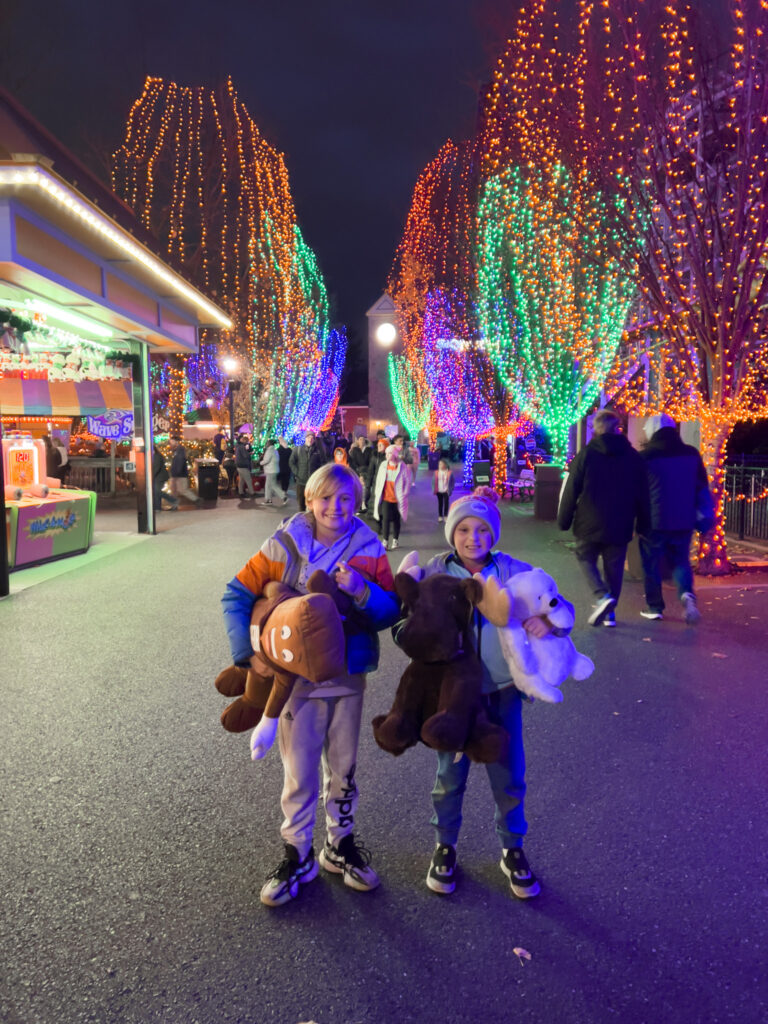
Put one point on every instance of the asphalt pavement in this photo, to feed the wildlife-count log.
(136, 833)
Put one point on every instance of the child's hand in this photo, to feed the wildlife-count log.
(262, 737)
(537, 626)
(350, 581)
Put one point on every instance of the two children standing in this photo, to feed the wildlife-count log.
(320, 725)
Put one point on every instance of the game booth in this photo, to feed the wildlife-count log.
(43, 520)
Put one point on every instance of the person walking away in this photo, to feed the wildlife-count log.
(305, 459)
(52, 459)
(179, 483)
(605, 495)
(284, 465)
(442, 485)
(679, 488)
(244, 463)
(359, 461)
(160, 476)
(320, 725)
(218, 444)
(472, 529)
(229, 467)
(65, 466)
(269, 466)
(390, 500)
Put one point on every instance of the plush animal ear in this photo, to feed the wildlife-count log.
(410, 564)
(473, 590)
(407, 589)
(494, 603)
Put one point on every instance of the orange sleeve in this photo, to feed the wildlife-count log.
(258, 571)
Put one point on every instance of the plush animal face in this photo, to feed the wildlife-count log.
(439, 615)
(304, 636)
(524, 595)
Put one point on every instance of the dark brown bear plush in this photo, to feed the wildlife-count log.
(438, 699)
(294, 635)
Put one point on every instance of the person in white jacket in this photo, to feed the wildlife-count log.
(390, 504)
(270, 464)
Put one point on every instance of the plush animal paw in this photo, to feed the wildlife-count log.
(263, 737)
(410, 564)
(231, 682)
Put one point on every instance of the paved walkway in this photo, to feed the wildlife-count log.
(136, 833)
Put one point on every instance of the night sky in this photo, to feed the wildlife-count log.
(359, 96)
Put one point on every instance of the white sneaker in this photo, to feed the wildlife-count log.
(605, 604)
(394, 544)
(352, 860)
(692, 613)
(385, 544)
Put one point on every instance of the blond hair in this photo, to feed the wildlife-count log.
(329, 478)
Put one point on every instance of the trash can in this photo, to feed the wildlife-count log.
(207, 479)
(546, 491)
(481, 473)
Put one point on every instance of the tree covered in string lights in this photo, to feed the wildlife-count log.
(470, 398)
(203, 179)
(434, 252)
(551, 315)
(681, 137)
(410, 393)
(553, 296)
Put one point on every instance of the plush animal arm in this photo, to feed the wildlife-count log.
(496, 606)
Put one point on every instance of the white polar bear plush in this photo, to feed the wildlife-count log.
(538, 665)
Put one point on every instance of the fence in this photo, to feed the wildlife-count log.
(92, 475)
(746, 502)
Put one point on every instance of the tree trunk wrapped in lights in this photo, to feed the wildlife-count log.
(412, 399)
(693, 195)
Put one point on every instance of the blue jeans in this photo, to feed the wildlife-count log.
(675, 546)
(507, 779)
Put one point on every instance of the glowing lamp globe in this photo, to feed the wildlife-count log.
(386, 333)
(229, 365)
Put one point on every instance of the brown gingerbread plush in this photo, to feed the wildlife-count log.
(438, 699)
(294, 635)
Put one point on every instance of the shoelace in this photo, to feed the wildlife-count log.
(354, 852)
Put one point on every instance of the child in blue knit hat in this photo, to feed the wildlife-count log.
(472, 529)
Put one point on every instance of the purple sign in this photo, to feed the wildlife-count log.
(113, 424)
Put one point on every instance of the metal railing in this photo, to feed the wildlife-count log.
(746, 502)
(92, 474)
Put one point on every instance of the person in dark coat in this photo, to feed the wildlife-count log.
(305, 459)
(605, 495)
(676, 478)
(359, 460)
(284, 464)
(160, 475)
(180, 472)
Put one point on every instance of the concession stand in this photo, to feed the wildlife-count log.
(85, 298)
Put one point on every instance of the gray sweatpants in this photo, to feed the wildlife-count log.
(314, 731)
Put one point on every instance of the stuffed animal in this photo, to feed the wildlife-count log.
(294, 635)
(438, 698)
(538, 664)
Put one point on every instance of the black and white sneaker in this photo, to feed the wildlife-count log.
(441, 876)
(352, 860)
(652, 613)
(522, 880)
(605, 604)
(283, 884)
(610, 619)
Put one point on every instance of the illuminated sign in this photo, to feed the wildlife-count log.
(113, 425)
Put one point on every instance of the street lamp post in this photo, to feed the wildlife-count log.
(231, 367)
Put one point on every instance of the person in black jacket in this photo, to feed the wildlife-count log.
(605, 494)
(359, 460)
(305, 459)
(160, 475)
(676, 478)
(180, 473)
(244, 465)
(284, 464)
